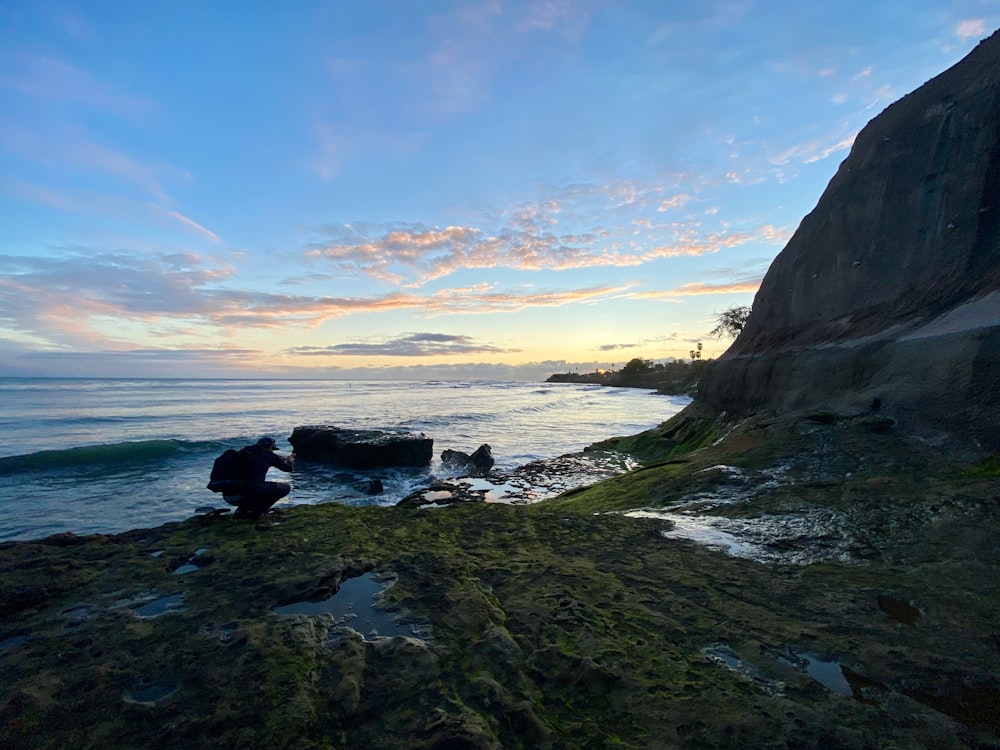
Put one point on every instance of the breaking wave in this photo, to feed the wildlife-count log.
(113, 454)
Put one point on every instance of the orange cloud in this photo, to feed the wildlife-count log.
(699, 288)
(424, 255)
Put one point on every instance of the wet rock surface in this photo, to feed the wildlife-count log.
(360, 449)
(529, 483)
(477, 463)
(563, 624)
(822, 575)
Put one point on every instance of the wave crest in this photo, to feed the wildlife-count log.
(106, 454)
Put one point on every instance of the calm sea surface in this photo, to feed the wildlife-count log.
(110, 455)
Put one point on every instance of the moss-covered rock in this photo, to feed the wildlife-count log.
(564, 624)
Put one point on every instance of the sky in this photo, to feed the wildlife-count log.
(404, 189)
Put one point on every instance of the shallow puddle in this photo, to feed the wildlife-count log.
(434, 495)
(726, 656)
(9, 644)
(151, 695)
(192, 563)
(80, 612)
(494, 492)
(787, 539)
(354, 605)
(707, 535)
(703, 531)
(829, 674)
(161, 606)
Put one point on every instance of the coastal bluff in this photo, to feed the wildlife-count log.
(787, 563)
(887, 298)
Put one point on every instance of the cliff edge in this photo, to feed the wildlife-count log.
(887, 297)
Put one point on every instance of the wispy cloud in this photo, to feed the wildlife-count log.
(677, 201)
(565, 17)
(650, 343)
(338, 142)
(60, 82)
(224, 362)
(698, 289)
(527, 238)
(416, 255)
(409, 345)
(61, 149)
(41, 195)
(972, 28)
(263, 310)
(470, 43)
(450, 70)
(692, 18)
(86, 296)
(813, 151)
(189, 222)
(112, 161)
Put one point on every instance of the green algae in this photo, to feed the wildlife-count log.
(559, 624)
(694, 428)
(989, 467)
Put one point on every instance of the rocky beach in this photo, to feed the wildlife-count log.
(805, 557)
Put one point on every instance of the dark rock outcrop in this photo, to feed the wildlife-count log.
(361, 449)
(887, 298)
(369, 486)
(478, 463)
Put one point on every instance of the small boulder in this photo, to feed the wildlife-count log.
(478, 463)
(369, 486)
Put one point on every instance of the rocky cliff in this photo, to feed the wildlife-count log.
(778, 582)
(887, 297)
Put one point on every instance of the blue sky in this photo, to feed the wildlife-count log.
(403, 189)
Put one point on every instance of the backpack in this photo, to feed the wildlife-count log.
(227, 473)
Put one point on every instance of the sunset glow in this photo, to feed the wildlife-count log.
(483, 189)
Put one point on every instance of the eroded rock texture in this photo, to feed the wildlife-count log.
(887, 298)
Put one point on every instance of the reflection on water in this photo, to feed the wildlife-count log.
(354, 605)
(161, 606)
(829, 674)
(795, 538)
(102, 456)
(151, 695)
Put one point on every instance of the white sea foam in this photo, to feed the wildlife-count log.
(109, 455)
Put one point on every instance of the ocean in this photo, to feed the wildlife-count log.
(108, 455)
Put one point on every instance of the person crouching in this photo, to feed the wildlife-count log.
(258, 494)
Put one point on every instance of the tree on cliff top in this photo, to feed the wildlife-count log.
(730, 322)
(637, 366)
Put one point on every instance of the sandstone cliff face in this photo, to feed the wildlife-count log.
(887, 297)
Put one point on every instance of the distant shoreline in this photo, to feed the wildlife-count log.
(673, 379)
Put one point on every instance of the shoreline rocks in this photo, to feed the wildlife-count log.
(478, 463)
(568, 614)
(360, 449)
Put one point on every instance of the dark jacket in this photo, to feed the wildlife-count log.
(256, 462)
